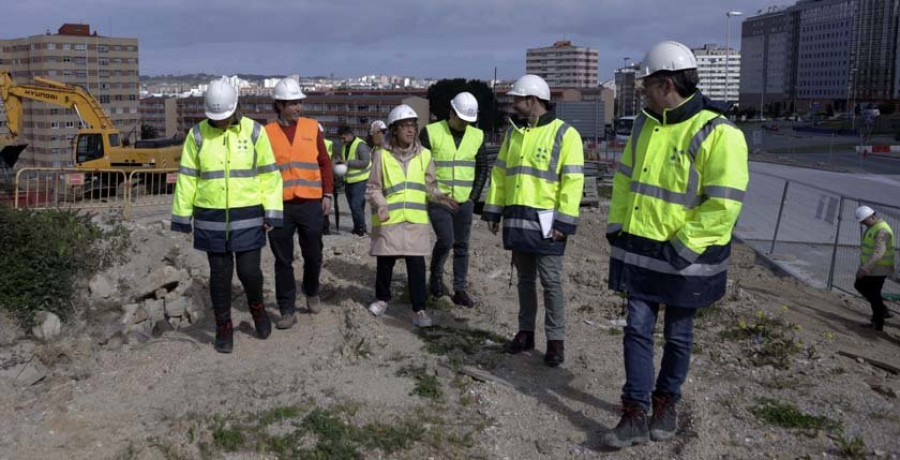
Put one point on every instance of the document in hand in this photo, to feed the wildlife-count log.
(546, 219)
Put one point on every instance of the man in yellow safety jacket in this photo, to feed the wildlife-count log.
(461, 170)
(536, 189)
(358, 156)
(229, 190)
(876, 263)
(676, 197)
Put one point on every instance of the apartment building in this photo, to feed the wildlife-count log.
(106, 66)
(719, 68)
(564, 65)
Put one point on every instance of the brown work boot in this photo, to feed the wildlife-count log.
(632, 428)
(463, 299)
(556, 353)
(261, 320)
(224, 338)
(523, 341)
(286, 321)
(665, 417)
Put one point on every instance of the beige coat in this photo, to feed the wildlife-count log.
(403, 239)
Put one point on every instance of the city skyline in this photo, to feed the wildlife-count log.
(394, 37)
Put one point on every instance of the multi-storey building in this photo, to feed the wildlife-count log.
(628, 99)
(106, 66)
(719, 69)
(564, 65)
(768, 60)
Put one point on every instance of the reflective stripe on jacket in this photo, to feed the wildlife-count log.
(454, 167)
(405, 193)
(297, 159)
(355, 175)
(228, 186)
(867, 248)
(538, 168)
(677, 194)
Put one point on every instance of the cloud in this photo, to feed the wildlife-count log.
(410, 37)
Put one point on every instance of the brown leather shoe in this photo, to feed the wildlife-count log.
(523, 341)
(555, 353)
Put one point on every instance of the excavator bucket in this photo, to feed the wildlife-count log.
(10, 154)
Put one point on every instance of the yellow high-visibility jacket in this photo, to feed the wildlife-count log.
(538, 168)
(229, 186)
(676, 197)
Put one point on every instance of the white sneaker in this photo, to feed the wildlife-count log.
(378, 307)
(313, 304)
(421, 319)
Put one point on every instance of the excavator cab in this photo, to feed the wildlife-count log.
(92, 148)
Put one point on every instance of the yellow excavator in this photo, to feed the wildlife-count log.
(98, 145)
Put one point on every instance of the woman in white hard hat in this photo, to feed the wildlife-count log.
(876, 263)
(229, 193)
(399, 188)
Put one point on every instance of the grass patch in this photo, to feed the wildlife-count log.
(442, 340)
(427, 385)
(853, 449)
(786, 415)
(770, 339)
(46, 253)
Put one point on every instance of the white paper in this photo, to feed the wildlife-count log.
(546, 219)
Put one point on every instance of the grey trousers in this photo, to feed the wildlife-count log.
(529, 265)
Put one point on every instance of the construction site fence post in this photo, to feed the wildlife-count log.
(834, 248)
(780, 213)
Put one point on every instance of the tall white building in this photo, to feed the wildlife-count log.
(564, 65)
(719, 67)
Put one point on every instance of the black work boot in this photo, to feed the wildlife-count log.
(462, 298)
(523, 341)
(261, 320)
(664, 422)
(632, 428)
(556, 353)
(436, 287)
(224, 338)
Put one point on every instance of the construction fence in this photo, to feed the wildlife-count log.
(47, 188)
(809, 230)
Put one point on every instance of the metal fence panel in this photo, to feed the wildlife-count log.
(45, 188)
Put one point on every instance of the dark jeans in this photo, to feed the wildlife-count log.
(679, 335)
(356, 197)
(453, 230)
(305, 220)
(221, 270)
(415, 270)
(870, 288)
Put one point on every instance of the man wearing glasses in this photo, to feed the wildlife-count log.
(676, 197)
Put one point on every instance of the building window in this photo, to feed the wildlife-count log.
(54, 125)
(51, 46)
(70, 124)
(80, 47)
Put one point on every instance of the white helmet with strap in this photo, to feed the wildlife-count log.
(220, 100)
(288, 89)
(466, 106)
(401, 112)
(531, 85)
(667, 56)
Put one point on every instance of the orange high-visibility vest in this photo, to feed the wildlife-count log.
(297, 160)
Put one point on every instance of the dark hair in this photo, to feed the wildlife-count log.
(344, 129)
(685, 81)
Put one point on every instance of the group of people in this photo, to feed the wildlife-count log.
(677, 194)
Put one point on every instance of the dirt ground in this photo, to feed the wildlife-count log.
(344, 384)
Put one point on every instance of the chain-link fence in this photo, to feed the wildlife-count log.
(809, 230)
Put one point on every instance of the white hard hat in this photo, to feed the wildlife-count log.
(530, 85)
(340, 169)
(288, 89)
(220, 99)
(376, 126)
(321, 128)
(401, 112)
(863, 213)
(667, 56)
(466, 106)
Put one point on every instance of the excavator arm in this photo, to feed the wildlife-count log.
(88, 109)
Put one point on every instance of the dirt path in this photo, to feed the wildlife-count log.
(393, 393)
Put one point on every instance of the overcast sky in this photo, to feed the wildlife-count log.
(427, 38)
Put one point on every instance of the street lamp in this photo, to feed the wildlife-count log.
(729, 15)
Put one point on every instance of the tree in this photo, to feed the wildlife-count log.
(149, 132)
(440, 94)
